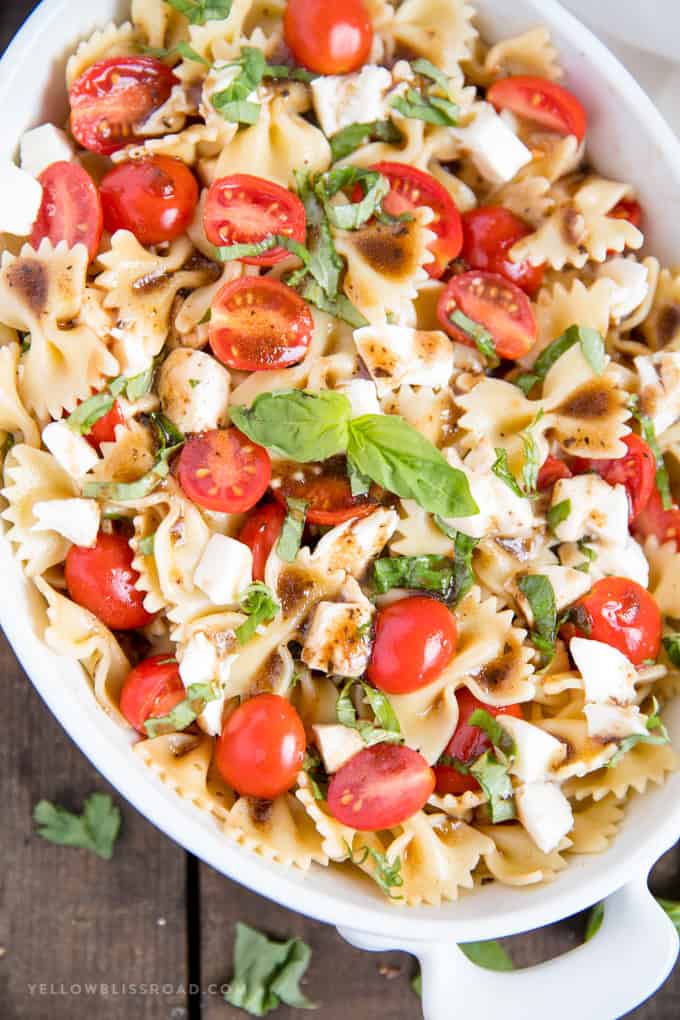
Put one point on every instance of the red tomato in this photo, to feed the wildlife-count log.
(331, 38)
(467, 743)
(324, 487)
(551, 471)
(152, 690)
(654, 520)
(628, 209)
(262, 747)
(260, 532)
(154, 198)
(114, 98)
(223, 470)
(495, 303)
(242, 209)
(104, 430)
(380, 787)
(488, 235)
(71, 210)
(636, 470)
(621, 613)
(415, 639)
(258, 324)
(103, 580)
(413, 188)
(548, 104)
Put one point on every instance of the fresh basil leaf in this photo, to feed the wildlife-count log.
(387, 874)
(340, 307)
(234, 252)
(267, 973)
(540, 595)
(325, 265)
(489, 955)
(396, 456)
(532, 455)
(146, 545)
(259, 604)
(89, 412)
(671, 644)
(492, 776)
(429, 70)
(184, 713)
(96, 829)
(351, 138)
(657, 734)
(431, 109)
(233, 103)
(558, 513)
(288, 544)
(502, 470)
(672, 908)
(594, 922)
(200, 11)
(662, 481)
(424, 573)
(382, 709)
(359, 484)
(479, 334)
(499, 737)
(293, 423)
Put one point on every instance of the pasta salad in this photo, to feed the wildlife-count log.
(341, 424)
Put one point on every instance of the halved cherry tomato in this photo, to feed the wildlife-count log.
(242, 209)
(104, 430)
(493, 302)
(488, 235)
(654, 520)
(636, 470)
(411, 189)
(154, 198)
(380, 787)
(260, 532)
(551, 471)
(621, 613)
(223, 470)
(331, 38)
(467, 743)
(324, 487)
(542, 101)
(102, 579)
(628, 209)
(259, 324)
(152, 690)
(415, 639)
(70, 210)
(261, 748)
(114, 98)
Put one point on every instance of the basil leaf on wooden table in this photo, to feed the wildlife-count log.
(267, 973)
(96, 829)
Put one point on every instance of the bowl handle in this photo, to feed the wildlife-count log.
(628, 959)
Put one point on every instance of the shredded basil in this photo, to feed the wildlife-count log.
(340, 306)
(259, 604)
(146, 545)
(89, 412)
(431, 109)
(499, 737)
(290, 538)
(540, 595)
(387, 729)
(351, 138)
(233, 252)
(656, 734)
(558, 513)
(481, 336)
(649, 433)
(170, 441)
(492, 775)
(200, 11)
(183, 714)
(501, 469)
(592, 346)
(671, 645)
(532, 457)
(425, 573)
(387, 874)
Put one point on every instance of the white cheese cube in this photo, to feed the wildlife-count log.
(502, 512)
(342, 100)
(545, 813)
(660, 388)
(629, 285)
(225, 570)
(352, 545)
(337, 744)
(610, 560)
(614, 722)
(598, 510)
(75, 519)
(494, 148)
(538, 752)
(71, 450)
(362, 395)
(336, 640)
(198, 661)
(194, 390)
(608, 675)
(395, 355)
(130, 353)
(44, 145)
(567, 583)
(20, 200)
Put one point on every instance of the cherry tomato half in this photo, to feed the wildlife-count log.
(628, 209)
(467, 743)
(415, 639)
(104, 430)
(380, 787)
(242, 209)
(115, 97)
(411, 189)
(223, 470)
(493, 302)
(324, 487)
(654, 520)
(259, 324)
(260, 532)
(551, 471)
(262, 747)
(70, 210)
(636, 470)
(621, 613)
(152, 690)
(103, 580)
(331, 38)
(154, 198)
(488, 235)
(542, 101)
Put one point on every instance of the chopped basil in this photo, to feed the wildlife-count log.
(499, 737)
(429, 70)
(259, 604)
(540, 595)
(479, 334)
(649, 433)
(316, 774)
(463, 572)
(351, 138)
(532, 455)
(89, 412)
(289, 73)
(325, 265)
(594, 922)
(200, 11)
(267, 973)
(656, 734)
(432, 109)
(590, 556)
(671, 644)
(387, 873)
(425, 573)
(502, 470)
(293, 423)
(558, 513)
(352, 215)
(170, 441)
(492, 776)
(183, 714)
(339, 306)
(96, 829)
(138, 385)
(183, 49)
(288, 544)
(592, 346)
(387, 729)
(146, 545)
(233, 252)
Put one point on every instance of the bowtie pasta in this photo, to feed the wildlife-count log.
(341, 425)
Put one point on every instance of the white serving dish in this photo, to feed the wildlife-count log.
(637, 945)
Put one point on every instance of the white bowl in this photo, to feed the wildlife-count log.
(617, 969)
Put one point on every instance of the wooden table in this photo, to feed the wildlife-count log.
(156, 916)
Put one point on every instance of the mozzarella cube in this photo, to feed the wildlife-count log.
(194, 390)
(70, 450)
(613, 722)
(630, 285)
(398, 355)
(494, 148)
(352, 545)
(545, 813)
(44, 145)
(336, 744)
(75, 519)
(538, 752)
(198, 662)
(342, 100)
(362, 395)
(598, 510)
(20, 199)
(337, 640)
(610, 560)
(502, 512)
(568, 585)
(130, 353)
(225, 570)
(608, 675)
(660, 388)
